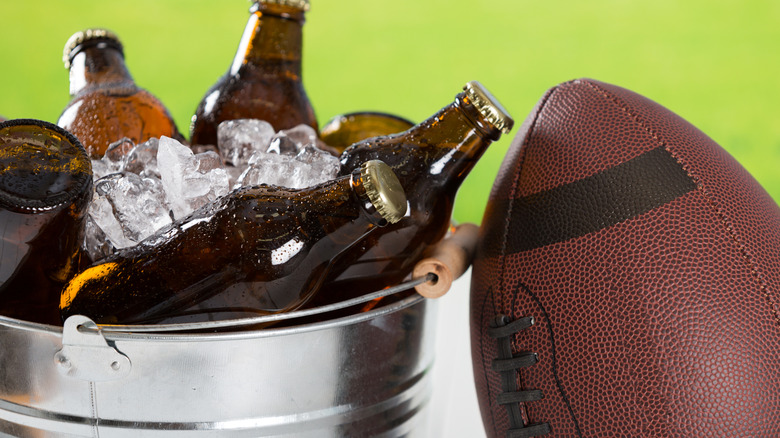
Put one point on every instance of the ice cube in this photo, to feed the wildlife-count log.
(266, 168)
(309, 167)
(117, 151)
(128, 208)
(239, 139)
(312, 156)
(101, 211)
(291, 141)
(96, 243)
(301, 135)
(317, 166)
(190, 180)
(100, 169)
(207, 161)
(282, 144)
(113, 159)
(234, 174)
(142, 159)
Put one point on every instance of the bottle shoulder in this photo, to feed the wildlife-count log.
(281, 102)
(119, 88)
(138, 108)
(125, 94)
(253, 83)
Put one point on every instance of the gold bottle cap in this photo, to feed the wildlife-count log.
(79, 38)
(489, 106)
(384, 190)
(297, 4)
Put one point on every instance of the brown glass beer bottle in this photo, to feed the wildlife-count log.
(346, 129)
(264, 82)
(269, 247)
(45, 189)
(431, 160)
(106, 103)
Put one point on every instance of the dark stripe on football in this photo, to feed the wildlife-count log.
(595, 202)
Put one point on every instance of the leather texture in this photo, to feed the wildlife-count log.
(650, 262)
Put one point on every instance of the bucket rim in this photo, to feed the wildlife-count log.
(210, 337)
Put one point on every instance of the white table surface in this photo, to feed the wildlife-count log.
(454, 411)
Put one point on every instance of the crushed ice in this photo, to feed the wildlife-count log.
(142, 188)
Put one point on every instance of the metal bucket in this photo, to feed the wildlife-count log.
(362, 375)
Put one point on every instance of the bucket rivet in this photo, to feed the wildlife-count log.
(63, 361)
(115, 366)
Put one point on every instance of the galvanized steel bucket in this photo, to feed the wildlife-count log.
(362, 375)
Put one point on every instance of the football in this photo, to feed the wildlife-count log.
(626, 278)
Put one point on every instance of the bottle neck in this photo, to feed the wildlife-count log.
(99, 66)
(453, 140)
(455, 124)
(272, 40)
(342, 203)
(434, 157)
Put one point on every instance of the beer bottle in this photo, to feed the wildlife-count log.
(106, 104)
(45, 189)
(269, 246)
(264, 81)
(346, 129)
(431, 160)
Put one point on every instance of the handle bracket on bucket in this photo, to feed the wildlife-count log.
(86, 355)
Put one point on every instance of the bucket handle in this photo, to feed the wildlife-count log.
(209, 325)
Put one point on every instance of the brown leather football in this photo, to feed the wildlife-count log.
(626, 280)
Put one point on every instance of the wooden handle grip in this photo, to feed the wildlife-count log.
(449, 260)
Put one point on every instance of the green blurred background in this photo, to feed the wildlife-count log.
(714, 63)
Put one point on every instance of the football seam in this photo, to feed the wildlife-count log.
(724, 220)
(554, 357)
